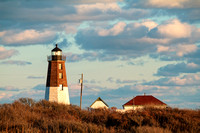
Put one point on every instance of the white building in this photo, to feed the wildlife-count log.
(56, 85)
(99, 103)
(142, 101)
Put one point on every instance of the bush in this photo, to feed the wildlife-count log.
(26, 115)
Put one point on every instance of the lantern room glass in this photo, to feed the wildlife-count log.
(56, 53)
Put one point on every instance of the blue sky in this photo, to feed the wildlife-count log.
(124, 48)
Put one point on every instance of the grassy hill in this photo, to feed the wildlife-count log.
(25, 115)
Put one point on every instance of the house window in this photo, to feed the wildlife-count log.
(60, 66)
(60, 76)
(61, 87)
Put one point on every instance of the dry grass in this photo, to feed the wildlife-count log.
(25, 115)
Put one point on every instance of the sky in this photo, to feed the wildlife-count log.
(124, 48)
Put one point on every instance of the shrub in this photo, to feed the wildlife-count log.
(26, 115)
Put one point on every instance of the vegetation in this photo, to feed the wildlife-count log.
(26, 115)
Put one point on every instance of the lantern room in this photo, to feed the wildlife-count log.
(56, 51)
(56, 54)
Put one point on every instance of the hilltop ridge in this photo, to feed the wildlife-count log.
(26, 115)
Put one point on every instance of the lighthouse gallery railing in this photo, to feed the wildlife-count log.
(56, 57)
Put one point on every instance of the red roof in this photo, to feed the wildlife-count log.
(144, 100)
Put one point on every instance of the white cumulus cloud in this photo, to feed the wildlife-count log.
(4, 53)
(179, 50)
(26, 37)
(167, 3)
(175, 29)
(115, 30)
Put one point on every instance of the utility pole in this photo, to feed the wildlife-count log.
(81, 81)
(133, 102)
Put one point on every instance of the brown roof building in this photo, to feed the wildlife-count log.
(143, 101)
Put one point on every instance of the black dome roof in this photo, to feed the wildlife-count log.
(56, 48)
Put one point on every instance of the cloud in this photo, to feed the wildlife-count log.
(4, 54)
(164, 93)
(72, 57)
(2, 95)
(26, 37)
(36, 93)
(88, 89)
(110, 79)
(174, 4)
(186, 80)
(97, 8)
(81, 1)
(5, 98)
(74, 90)
(53, 14)
(64, 43)
(185, 10)
(15, 62)
(172, 95)
(9, 88)
(93, 81)
(170, 4)
(35, 77)
(148, 23)
(172, 29)
(166, 4)
(106, 11)
(96, 1)
(117, 29)
(170, 39)
(39, 87)
(193, 57)
(89, 56)
(138, 63)
(176, 69)
(121, 81)
(33, 24)
(40, 11)
(125, 43)
(172, 44)
(179, 50)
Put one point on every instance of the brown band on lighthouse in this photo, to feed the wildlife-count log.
(56, 68)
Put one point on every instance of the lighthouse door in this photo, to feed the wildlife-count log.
(61, 87)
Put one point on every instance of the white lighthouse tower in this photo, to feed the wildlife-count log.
(56, 84)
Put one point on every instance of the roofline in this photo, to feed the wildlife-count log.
(100, 100)
(56, 48)
(141, 104)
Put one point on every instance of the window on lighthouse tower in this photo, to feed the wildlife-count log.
(60, 66)
(60, 76)
(61, 87)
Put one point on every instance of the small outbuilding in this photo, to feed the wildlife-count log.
(99, 103)
(142, 101)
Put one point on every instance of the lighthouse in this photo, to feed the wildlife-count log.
(56, 84)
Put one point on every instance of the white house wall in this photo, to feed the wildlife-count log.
(128, 107)
(99, 104)
(56, 94)
(135, 107)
